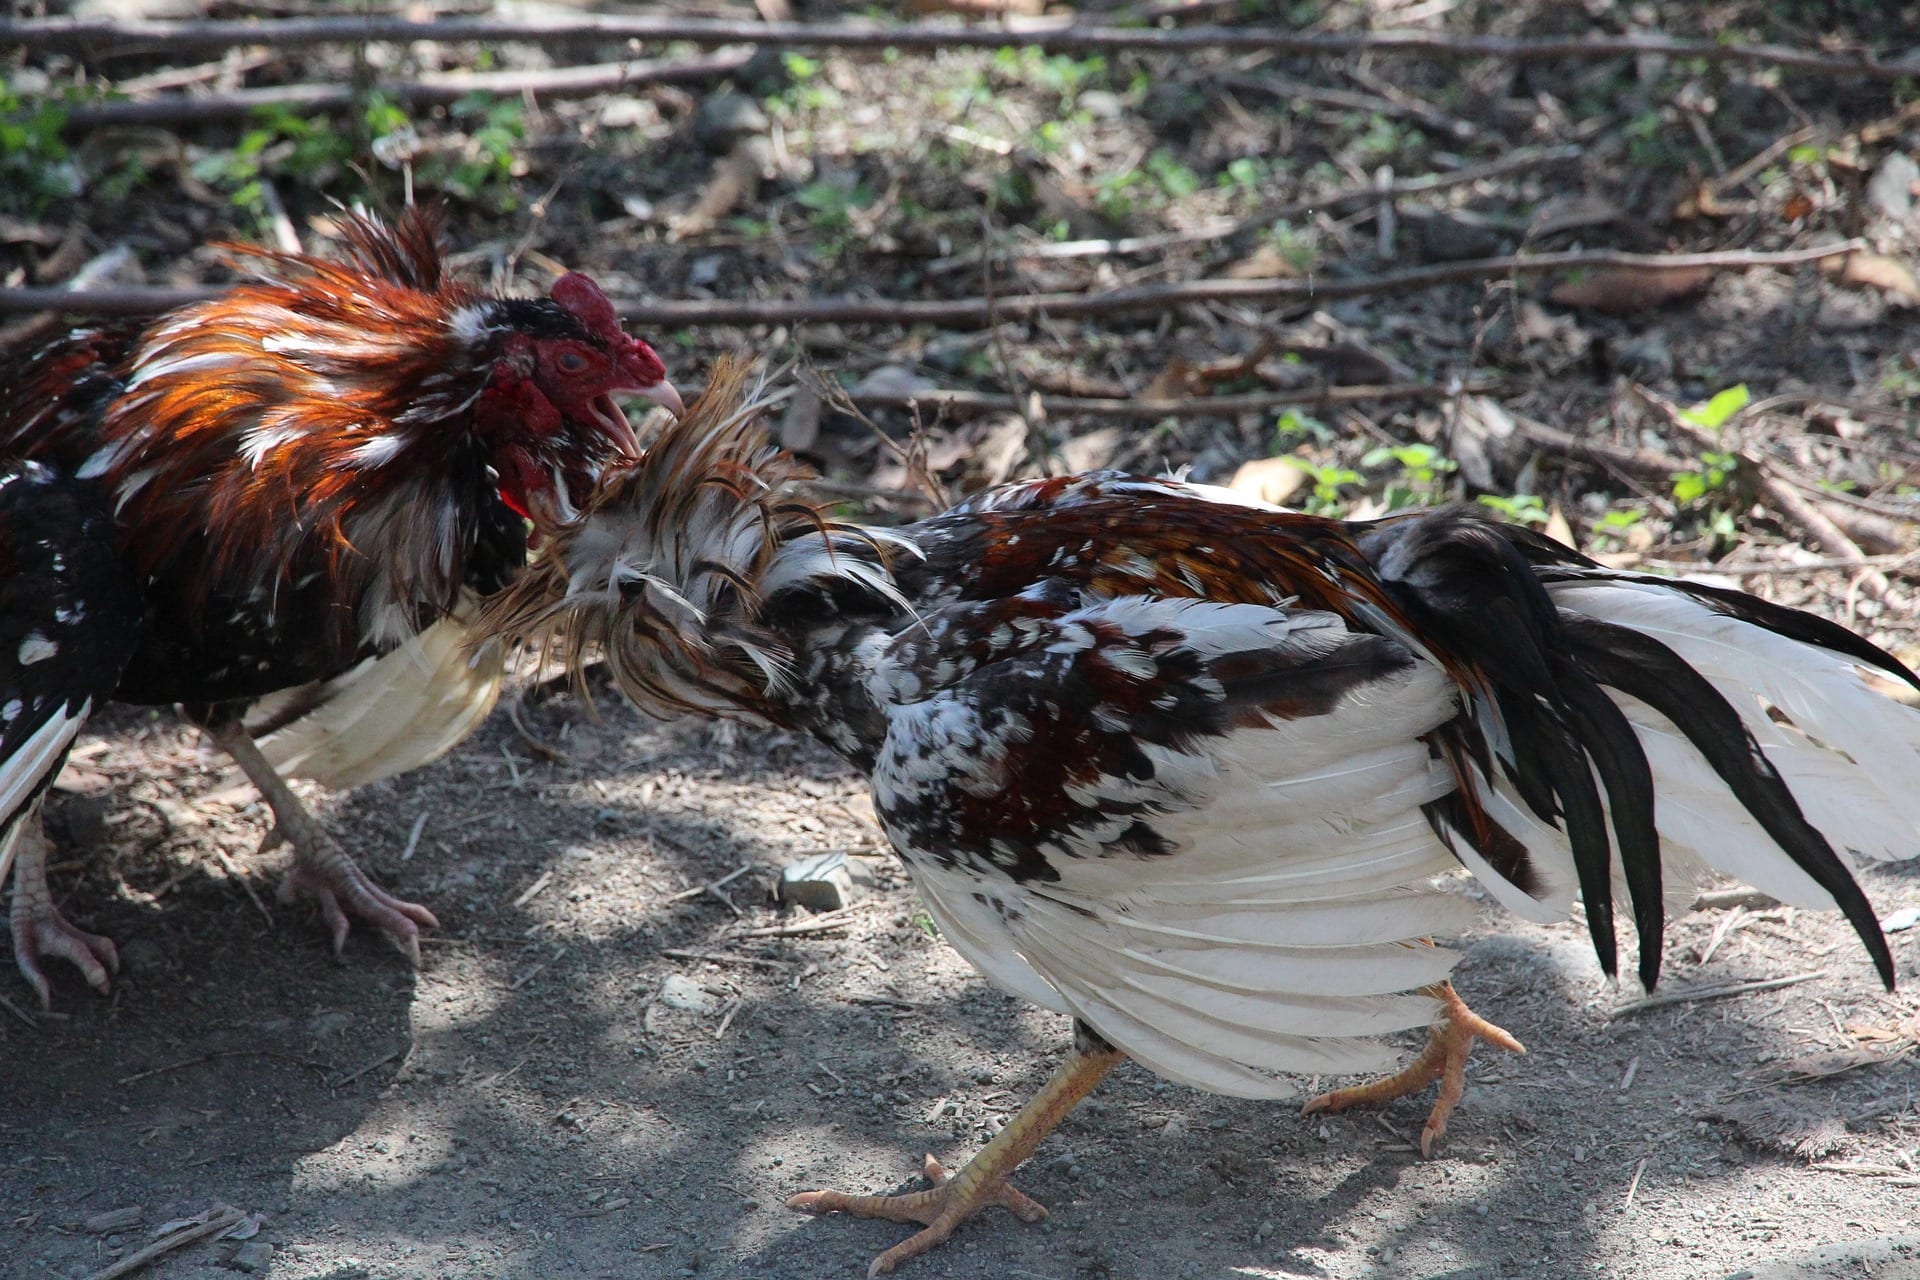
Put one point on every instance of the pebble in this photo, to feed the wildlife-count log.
(256, 1255)
(681, 992)
(1901, 920)
(725, 118)
(1890, 190)
(822, 882)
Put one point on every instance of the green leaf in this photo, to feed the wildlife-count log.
(1689, 486)
(1714, 413)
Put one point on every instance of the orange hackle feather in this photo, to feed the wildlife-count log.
(266, 417)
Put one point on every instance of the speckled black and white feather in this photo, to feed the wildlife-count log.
(1187, 769)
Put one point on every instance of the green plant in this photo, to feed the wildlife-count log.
(1293, 426)
(1420, 482)
(832, 203)
(1716, 475)
(1611, 529)
(1520, 508)
(1717, 411)
(1326, 499)
(35, 166)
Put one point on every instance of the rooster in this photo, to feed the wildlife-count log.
(321, 466)
(1184, 768)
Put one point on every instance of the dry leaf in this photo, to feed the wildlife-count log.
(1264, 263)
(1171, 383)
(1819, 1066)
(1625, 291)
(735, 180)
(1271, 480)
(1557, 527)
(1797, 206)
(1875, 271)
(1783, 1123)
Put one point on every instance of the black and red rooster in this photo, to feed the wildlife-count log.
(269, 489)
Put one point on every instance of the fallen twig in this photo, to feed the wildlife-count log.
(220, 1220)
(375, 1065)
(718, 957)
(1776, 492)
(819, 924)
(1186, 407)
(958, 312)
(18, 1012)
(1660, 468)
(546, 751)
(712, 886)
(1633, 1187)
(96, 37)
(1895, 1176)
(240, 878)
(1529, 159)
(427, 91)
(1720, 992)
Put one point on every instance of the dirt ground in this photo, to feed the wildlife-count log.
(604, 1069)
(527, 1106)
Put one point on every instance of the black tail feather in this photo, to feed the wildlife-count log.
(1644, 668)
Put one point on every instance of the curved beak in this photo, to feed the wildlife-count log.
(663, 394)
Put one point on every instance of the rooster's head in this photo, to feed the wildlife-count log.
(548, 412)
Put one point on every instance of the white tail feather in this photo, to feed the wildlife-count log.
(391, 713)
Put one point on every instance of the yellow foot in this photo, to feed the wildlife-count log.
(1444, 1059)
(950, 1203)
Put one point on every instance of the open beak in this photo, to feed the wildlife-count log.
(663, 394)
(613, 420)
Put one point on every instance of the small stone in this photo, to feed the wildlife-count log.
(1446, 237)
(681, 992)
(1901, 920)
(1890, 190)
(820, 883)
(724, 118)
(255, 1255)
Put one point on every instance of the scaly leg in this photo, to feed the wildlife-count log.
(38, 927)
(1444, 1059)
(322, 870)
(983, 1179)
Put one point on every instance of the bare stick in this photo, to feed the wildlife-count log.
(712, 886)
(1186, 407)
(821, 923)
(97, 37)
(718, 957)
(1713, 993)
(1777, 493)
(428, 90)
(1634, 1186)
(1528, 160)
(225, 1219)
(957, 312)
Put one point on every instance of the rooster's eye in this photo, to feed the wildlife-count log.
(571, 362)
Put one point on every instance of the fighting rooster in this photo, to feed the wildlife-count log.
(1184, 768)
(316, 468)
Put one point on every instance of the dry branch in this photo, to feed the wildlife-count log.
(1190, 406)
(429, 90)
(961, 312)
(98, 38)
(1864, 529)
(1531, 159)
